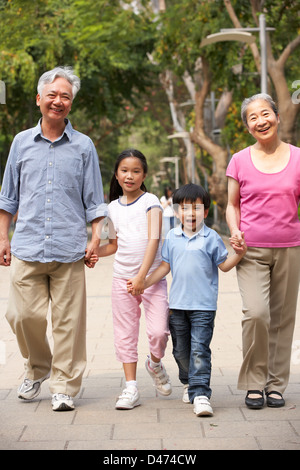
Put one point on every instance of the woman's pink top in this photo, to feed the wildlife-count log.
(268, 201)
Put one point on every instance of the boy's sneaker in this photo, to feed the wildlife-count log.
(30, 389)
(202, 406)
(62, 402)
(129, 399)
(160, 378)
(185, 397)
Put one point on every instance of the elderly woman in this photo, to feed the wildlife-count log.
(263, 197)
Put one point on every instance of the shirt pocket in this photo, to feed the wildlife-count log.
(70, 172)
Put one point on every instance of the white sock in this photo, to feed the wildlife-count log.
(131, 383)
(154, 364)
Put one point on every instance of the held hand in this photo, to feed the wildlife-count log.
(129, 286)
(244, 246)
(92, 247)
(92, 260)
(5, 255)
(91, 253)
(135, 286)
(238, 243)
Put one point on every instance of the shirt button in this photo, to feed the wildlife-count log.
(50, 163)
(49, 181)
(47, 236)
(48, 200)
(48, 218)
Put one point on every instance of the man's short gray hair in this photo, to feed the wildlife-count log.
(64, 72)
(259, 96)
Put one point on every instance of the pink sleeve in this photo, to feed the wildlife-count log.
(232, 169)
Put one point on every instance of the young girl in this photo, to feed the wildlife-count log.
(135, 225)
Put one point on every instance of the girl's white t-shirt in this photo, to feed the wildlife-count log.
(131, 227)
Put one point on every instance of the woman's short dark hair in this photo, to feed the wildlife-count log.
(190, 193)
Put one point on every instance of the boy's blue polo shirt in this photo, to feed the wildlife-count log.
(194, 265)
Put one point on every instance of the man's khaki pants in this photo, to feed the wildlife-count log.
(269, 281)
(32, 286)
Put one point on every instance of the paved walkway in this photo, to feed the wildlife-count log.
(159, 423)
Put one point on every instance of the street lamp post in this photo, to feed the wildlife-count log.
(2, 92)
(244, 35)
(263, 54)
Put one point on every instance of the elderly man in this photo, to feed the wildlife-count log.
(52, 178)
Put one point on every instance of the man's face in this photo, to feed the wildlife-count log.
(55, 102)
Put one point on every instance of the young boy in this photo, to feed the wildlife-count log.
(193, 252)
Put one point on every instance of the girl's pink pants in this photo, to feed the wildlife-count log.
(126, 319)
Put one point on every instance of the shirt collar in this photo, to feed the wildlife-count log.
(203, 232)
(37, 131)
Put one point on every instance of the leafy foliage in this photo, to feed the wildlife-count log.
(108, 43)
(105, 43)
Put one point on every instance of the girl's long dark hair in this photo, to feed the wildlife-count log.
(115, 189)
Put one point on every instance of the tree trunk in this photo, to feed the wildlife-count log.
(288, 111)
(178, 120)
(217, 181)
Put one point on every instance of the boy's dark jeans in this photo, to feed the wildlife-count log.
(191, 333)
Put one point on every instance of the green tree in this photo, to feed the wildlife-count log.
(105, 43)
(202, 70)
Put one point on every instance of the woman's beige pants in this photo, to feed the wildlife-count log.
(33, 285)
(269, 281)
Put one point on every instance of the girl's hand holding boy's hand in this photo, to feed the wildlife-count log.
(129, 286)
(135, 286)
(92, 260)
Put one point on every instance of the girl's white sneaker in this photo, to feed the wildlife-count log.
(160, 378)
(202, 406)
(129, 398)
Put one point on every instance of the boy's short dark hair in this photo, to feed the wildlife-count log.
(189, 193)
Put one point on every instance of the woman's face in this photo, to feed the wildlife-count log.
(262, 122)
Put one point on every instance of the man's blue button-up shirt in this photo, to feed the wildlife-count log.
(56, 187)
